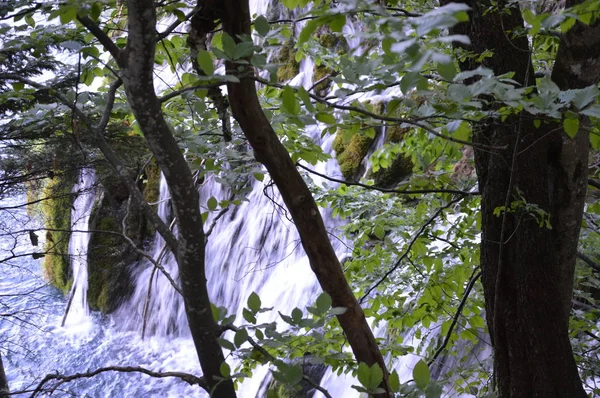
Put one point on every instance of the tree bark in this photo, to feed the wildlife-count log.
(270, 151)
(528, 269)
(4, 390)
(136, 64)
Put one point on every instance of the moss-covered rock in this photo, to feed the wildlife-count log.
(287, 59)
(108, 258)
(109, 254)
(401, 165)
(57, 221)
(350, 152)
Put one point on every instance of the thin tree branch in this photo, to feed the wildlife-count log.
(176, 23)
(387, 190)
(410, 245)
(472, 280)
(175, 93)
(102, 37)
(61, 379)
(110, 101)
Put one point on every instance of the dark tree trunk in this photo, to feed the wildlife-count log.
(270, 151)
(136, 64)
(528, 269)
(4, 390)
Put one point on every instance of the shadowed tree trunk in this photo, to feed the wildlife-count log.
(4, 390)
(528, 269)
(270, 151)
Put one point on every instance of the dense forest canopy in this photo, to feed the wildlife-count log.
(451, 147)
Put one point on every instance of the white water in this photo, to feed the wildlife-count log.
(78, 245)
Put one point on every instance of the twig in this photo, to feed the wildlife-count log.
(472, 280)
(387, 190)
(589, 261)
(61, 379)
(410, 244)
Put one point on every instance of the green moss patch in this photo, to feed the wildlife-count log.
(350, 152)
(289, 66)
(57, 221)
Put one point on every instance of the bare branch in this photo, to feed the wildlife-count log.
(102, 37)
(61, 379)
(110, 101)
(474, 277)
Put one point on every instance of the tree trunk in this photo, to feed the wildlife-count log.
(136, 64)
(528, 269)
(4, 390)
(269, 151)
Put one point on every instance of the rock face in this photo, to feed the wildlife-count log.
(109, 255)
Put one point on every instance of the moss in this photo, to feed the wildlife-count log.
(329, 40)
(108, 258)
(57, 220)
(289, 66)
(350, 152)
(152, 183)
(319, 72)
(401, 166)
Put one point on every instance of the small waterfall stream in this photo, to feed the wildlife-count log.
(77, 307)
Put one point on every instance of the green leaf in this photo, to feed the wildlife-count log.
(446, 70)
(226, 344)
(421, 375)
(212, 203)
(225, 369)
(273, 394)
(67, 14)
(571, 125)
(305, 97)
(96, 10)
(327, 118)
(370, 377)
(537, 123)
(18, 86)
(290, 4)
(205, 62)
(289, 101)
(337, 22)
(323, 302)
(595, 140)
(254, 302)
(249, 316)
(297, 315)
(307, 32)
(228, 45)
(394, 381)
(261, 25)
(241, 336)
(294, 374)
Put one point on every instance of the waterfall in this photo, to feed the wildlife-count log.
(77, 307)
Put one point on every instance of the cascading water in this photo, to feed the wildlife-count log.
(77, 306)
(252, 248)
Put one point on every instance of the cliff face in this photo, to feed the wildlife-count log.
(109, 254)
